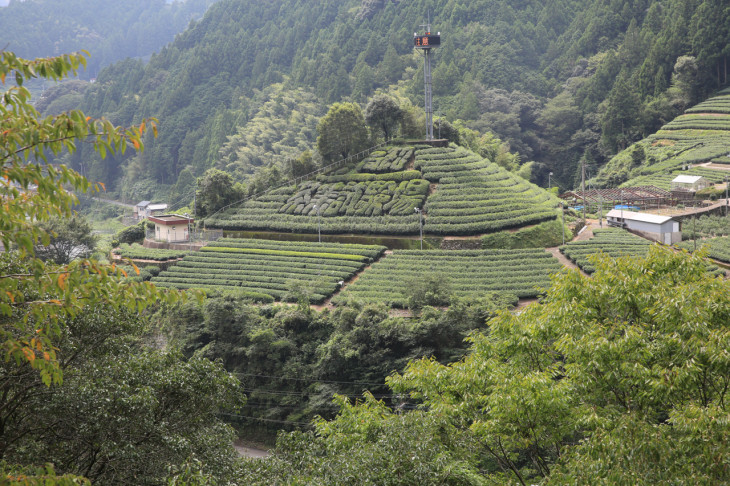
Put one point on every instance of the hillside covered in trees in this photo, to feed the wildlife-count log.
(559, 81)
(109, 30)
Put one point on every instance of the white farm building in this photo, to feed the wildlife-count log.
(690, 183)
(172, 228)
(663, 229)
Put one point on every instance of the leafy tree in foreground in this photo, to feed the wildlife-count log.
(24, 140)
(70, 238)
(40, 301)
(618, 378)
(342, 132)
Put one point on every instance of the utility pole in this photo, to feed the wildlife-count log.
(562, 213)
(621, 205)
(420, 225)
(550, 184)
(319, 224)
(583, 187)
(600, 209)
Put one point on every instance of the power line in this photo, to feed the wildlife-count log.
(301, 394)
(304, 424)
(310, 380)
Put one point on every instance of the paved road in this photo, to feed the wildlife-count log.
(246, 451)
(116, 203)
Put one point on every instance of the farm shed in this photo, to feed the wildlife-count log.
(663, 229)
(690, 183)
(171, 227)
(642, 196)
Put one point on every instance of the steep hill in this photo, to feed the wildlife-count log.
(696, 143)
(111, 30)
(460, 193)
(559, 80)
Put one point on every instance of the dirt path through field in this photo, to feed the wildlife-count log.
(564, 261)
(246, 450)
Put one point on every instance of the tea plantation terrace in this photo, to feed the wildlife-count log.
(269, 270)
(459, 192)
(469, 273)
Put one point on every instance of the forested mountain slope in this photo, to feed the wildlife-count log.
(559, 80)
(110, 30)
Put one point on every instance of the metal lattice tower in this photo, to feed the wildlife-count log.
(426, 42)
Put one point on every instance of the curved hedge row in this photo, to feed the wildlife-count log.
(468, 195)
(468, 272)
(279, 269)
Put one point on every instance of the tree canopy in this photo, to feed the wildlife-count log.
(79, 390)
(618, 378)
(70, 238)
(342, 132)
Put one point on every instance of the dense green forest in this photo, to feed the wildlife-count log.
(559, 82)
(109, 30)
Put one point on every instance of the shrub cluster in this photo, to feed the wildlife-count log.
(394, 160)
(135, 251)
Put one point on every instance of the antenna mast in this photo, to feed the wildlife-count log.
(426, 42)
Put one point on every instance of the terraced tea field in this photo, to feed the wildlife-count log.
(476, 196)
(614, 242)
(701, 134)
(468, 272)
(273, 269)
(460, 194)
(717, 248)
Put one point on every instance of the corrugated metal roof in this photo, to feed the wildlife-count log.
(143, 204)
(633, 216)
(157, 207)
(687, 179)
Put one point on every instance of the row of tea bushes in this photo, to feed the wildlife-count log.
(254, 220)
(468, 273)
(280, 269)
(476, 196)
(716, 104)
(717, 248)
(614, 242)
(393, 160)
(699, 121)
